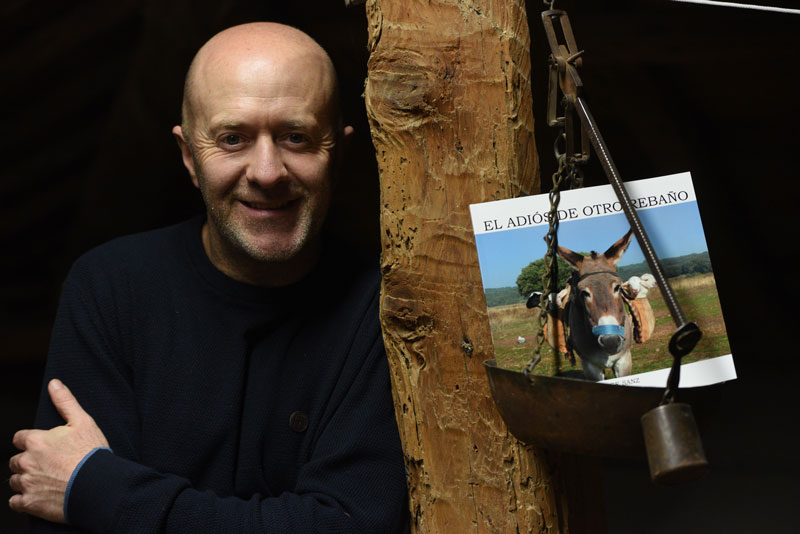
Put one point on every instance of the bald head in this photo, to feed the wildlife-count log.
(263, 141)
(260, 49)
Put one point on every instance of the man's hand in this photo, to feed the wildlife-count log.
(48, 458)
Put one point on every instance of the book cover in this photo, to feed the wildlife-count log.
(612, 315)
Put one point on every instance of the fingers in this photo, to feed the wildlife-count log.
(14, 464)
(20, 439)
(15, 483)
(16, 504)
(66, 403)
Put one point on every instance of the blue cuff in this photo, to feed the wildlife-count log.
(75, 473)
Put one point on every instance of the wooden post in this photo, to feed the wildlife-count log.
(449, 102)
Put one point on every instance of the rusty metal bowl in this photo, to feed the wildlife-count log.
(583, 417)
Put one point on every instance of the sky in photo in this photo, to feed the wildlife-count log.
(674, 230)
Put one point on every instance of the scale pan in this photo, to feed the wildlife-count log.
(583, 417)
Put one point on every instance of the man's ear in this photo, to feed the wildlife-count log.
(186, 154)
(347, 135)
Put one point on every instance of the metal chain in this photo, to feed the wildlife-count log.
(567, 171)
(569, 176)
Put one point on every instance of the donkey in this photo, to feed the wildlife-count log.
(600, 330)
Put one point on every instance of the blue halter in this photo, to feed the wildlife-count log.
(608, 330)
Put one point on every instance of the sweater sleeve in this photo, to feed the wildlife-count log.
(85, 353)
(353, 482)
(351, 485)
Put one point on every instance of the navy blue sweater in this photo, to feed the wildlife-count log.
(229, 408)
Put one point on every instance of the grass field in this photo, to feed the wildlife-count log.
(699, 301)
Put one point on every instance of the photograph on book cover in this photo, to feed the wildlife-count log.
(620, 324)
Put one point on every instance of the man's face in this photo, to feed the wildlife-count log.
(262, 149)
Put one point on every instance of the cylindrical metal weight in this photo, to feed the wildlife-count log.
(674, 449)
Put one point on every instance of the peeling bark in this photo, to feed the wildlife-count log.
(449, 103)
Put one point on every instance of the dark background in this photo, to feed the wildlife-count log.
(92, 89)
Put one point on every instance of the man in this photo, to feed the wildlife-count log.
(228, 372)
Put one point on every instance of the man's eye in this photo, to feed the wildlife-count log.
(296, 138)
(231, 140)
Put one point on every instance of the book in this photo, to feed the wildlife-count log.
(510, 240)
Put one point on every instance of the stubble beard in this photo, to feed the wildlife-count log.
(237, 242)
(249, 243)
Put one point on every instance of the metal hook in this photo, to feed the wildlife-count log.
(571, 59)
(561, 138)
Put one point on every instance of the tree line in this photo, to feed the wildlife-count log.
(688, 265)
(530, 277)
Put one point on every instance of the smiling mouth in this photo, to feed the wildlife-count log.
(270, 206)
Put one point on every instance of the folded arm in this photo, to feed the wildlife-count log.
(111, 493)
(42, 471)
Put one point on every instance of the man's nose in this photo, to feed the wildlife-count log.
(265, 164)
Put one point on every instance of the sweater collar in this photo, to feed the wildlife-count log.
(248, 294)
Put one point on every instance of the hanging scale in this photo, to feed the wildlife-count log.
(672, 442)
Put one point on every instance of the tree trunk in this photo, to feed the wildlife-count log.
(449, 102)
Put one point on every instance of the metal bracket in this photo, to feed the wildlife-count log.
(565, 59)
